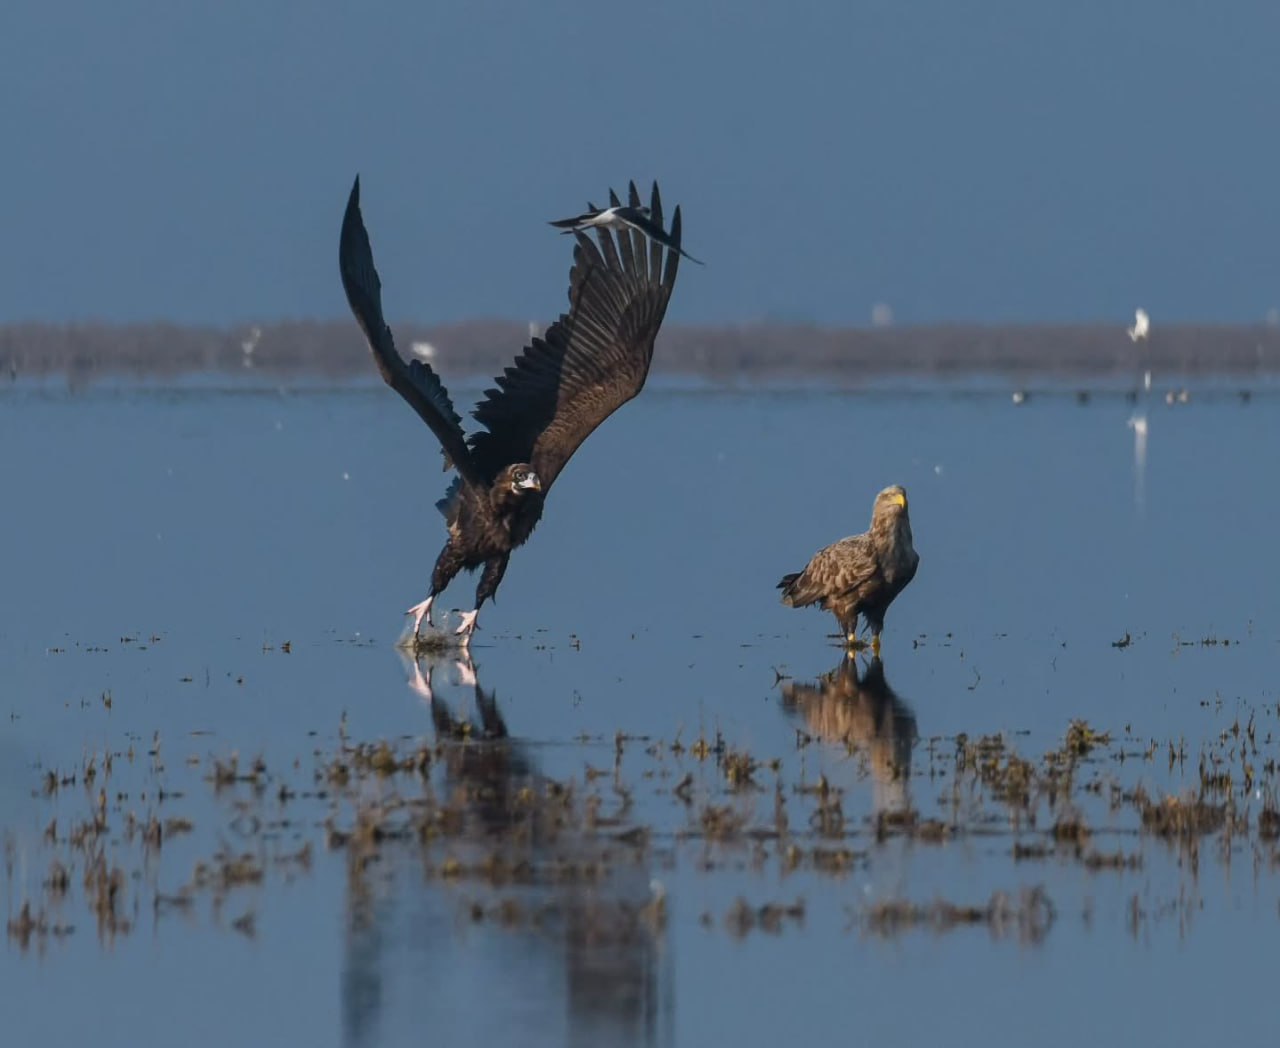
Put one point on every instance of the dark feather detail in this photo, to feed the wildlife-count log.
(449, 504)
(415, 381)
(589, 363)
(787, 585)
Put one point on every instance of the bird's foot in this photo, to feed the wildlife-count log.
(468, 626)
(466, 670)
(875, 645)
(420, 612)
(854, 643)
(421, 683)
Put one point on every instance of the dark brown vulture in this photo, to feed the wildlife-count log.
(862, 574)
(588, 364)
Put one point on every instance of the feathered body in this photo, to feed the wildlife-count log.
(862, 574)
(589, 363)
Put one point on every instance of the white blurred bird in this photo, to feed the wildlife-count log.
(1141, 325)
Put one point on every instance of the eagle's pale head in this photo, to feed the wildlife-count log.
(890, 503)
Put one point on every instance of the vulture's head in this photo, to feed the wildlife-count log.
(520, 479)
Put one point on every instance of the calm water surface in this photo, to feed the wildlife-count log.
(203, 576)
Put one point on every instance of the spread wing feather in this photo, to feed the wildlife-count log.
(415, 381)
(590, 362)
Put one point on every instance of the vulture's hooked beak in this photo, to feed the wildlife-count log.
(530, 483)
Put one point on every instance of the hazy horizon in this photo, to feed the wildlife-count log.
(1009, 164)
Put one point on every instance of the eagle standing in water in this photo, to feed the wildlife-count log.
(862, 574)
(588, 364)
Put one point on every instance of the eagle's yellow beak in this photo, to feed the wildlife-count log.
(900, 498)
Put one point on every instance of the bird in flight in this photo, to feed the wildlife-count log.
(589, 363)
(620, 217)
(860, 575)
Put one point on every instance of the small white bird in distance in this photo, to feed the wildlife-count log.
(1141, 325)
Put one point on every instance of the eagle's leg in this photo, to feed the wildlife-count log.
(875, 621)
(494, 569)
(849, 627)
(420, 612)
(448, 564)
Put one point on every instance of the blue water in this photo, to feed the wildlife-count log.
(160, 547)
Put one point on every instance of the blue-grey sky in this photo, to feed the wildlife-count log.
(996, 161)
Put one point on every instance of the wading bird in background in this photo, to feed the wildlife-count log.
(620, 217)
(1138, 421)
(1141, 325)
(860, 575)
(588, 364)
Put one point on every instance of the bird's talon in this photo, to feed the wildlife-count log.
(468, 625)
(420, 612)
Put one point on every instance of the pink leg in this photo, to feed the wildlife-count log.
(422, 684)
(468, 626)
(466, 671)
(420, 612)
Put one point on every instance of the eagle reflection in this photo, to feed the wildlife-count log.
(537, 951)
(863, 712)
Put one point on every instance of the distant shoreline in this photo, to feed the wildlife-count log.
(849, 357)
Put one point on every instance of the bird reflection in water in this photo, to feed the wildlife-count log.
(863, 712)
(537, 918)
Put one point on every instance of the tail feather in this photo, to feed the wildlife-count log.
(788, 585)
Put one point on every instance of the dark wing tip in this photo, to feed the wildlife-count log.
(352, 214)
(354, 251)
(633, 195)
(673, 257)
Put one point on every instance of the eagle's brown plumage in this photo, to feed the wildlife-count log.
(860, 575)
(589, 363)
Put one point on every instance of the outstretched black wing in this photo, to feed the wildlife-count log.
(591, 361)
(415, 381)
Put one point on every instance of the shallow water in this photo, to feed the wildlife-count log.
(195, 574)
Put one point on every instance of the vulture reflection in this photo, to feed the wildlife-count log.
(550, 928)
(861, 711)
